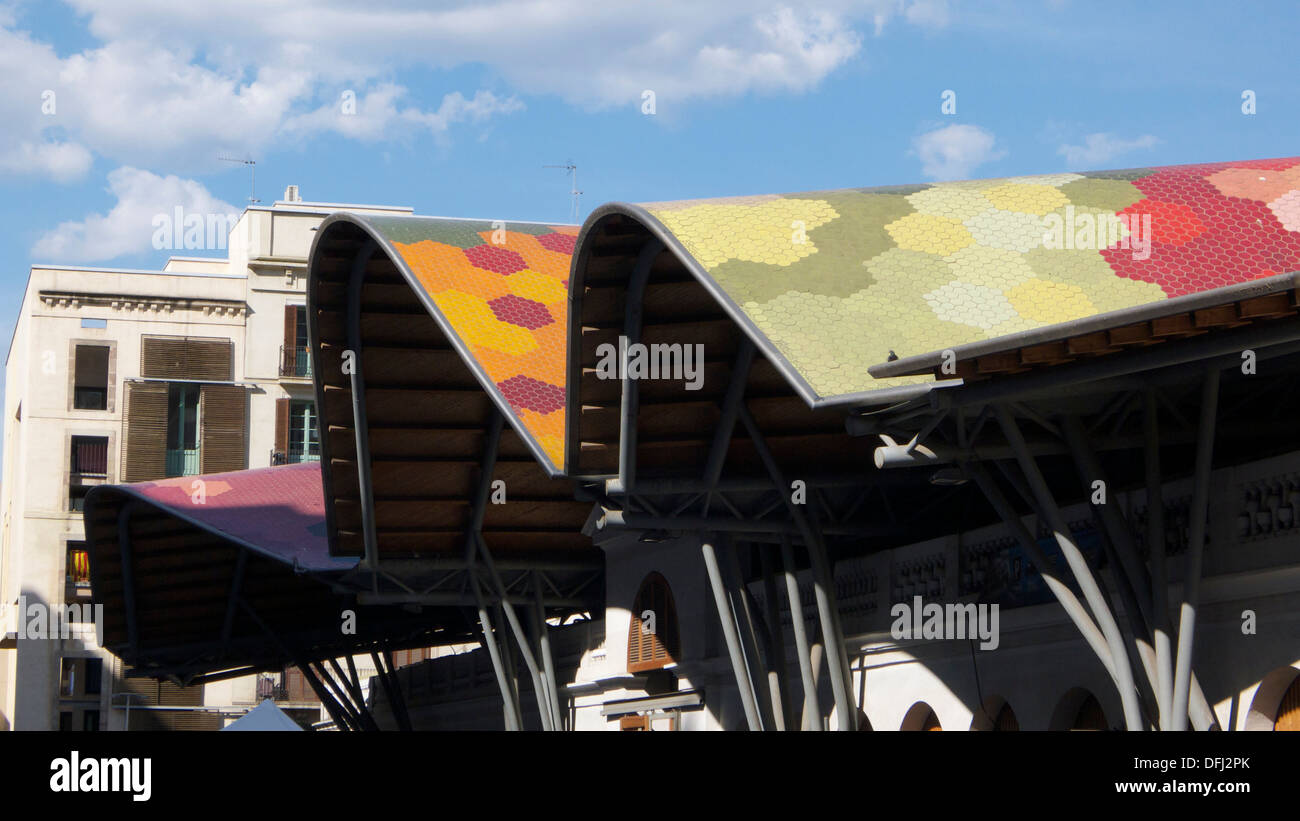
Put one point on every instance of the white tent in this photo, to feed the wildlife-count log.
(265, 717)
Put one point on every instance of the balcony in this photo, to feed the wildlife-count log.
(182, 462)
(294, 455)
(271, 687)
(295, 362)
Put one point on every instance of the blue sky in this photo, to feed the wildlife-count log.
(459, 105)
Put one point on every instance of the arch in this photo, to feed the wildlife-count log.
(653, 637)
(920, 717)
(995, 714)
(1276, 703)
(1079, 709)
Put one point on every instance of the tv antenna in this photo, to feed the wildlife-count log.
(573, 180)
(252, 170)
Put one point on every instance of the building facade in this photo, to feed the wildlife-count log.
(125, 376)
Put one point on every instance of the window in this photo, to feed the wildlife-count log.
(652, 637)
(78, 575)
(68, 677)
(295, 360)
(297, 435)
(88, 459)
(94, 676)
(90, 455)
(182, 429)
(90, 378)
(65, 721)
(90, 720)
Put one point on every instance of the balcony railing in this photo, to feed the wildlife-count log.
(295, 361)
(293, 456)
(271, 687)
(182, 462)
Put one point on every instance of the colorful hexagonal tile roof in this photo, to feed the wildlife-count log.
(503, 289)
(836, 280)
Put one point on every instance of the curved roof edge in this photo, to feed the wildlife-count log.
(476, 368)
(796, 380)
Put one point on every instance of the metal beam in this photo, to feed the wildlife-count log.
(521, 638)
(823, 578)
(806, 672)
(356, 279)
(1156, 553)
(630, 397)
(1196, 536)
(548, 662)
(1079, 566)
(732, 635)
(511, 707)
(738, 596)
(776, 668)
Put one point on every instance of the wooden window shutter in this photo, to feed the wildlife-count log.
(144, 443)
(176, 357)
(291, 326)
(282, 425)
(222, 412)
(648, 650)
(1006, 720)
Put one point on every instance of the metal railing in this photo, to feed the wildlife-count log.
(182, 462)
(295, 361)
(294, 455)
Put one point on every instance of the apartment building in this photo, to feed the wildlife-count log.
(118, 375)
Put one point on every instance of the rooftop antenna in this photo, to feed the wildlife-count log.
(573, 178)
(252, 170)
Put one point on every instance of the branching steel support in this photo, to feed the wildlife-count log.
(806, 669)
(632, 334)
(823, 579)
(1195, 550)
(730, 632)
(1079, 566)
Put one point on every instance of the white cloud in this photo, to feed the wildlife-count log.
(953, 152)
(175, 85)
(1099, 149)
(144, 202)
(376, 116)
(61, 161)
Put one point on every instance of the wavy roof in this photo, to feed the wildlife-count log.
(502, 288)
(842, 280)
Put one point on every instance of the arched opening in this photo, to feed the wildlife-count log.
(921, 717)
(996, 715)
(1079, 709)
(653, 638)
(1276, 703)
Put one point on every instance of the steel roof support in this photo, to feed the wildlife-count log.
(1195, 550)
(521, 637)
(1079, 566)
(349, 713)
(744, 686)
(823, 579)
(365, 485)
(806, 673)
(548, 662)
(393, 691)
(1156, 550)
(1074, 608)
(489, 641)
(744, 615)
(341, 719)
(630, 398)
(776, 667)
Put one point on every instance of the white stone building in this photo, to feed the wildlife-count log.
(118, 375)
